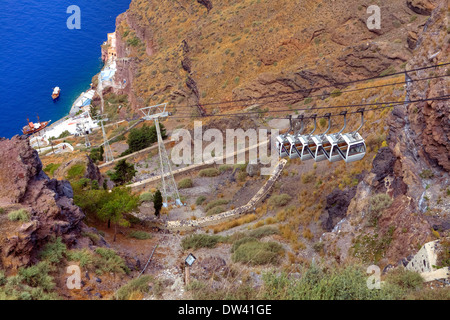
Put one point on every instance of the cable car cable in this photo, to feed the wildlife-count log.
(327, 86)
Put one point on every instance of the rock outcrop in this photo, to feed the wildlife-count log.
(91, 171)
(225, 54)
(206, 3)
(336, 208)
(49, 202)
(414, 169)
(424, 7)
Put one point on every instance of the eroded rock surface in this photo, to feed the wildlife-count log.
(24, 185)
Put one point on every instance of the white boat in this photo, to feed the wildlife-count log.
(55, 94)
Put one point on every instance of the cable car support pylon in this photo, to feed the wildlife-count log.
(108, 152)
(169, 186)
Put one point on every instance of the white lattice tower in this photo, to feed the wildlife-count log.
(81, 128)
(169, 186)
(108, 152)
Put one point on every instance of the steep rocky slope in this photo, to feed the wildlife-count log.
(23, 185)
(189, 53)
(413, 169)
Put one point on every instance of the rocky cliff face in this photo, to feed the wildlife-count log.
(414, 169)
(191, 52)
(23, 185)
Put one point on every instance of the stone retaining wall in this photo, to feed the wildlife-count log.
(424, 262)
(187, 225)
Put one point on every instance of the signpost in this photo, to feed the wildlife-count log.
(189, 262)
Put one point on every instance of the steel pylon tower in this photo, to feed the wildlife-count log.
(81, 128)
(169, 186)
(108, 152)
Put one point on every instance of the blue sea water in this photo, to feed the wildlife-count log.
(38, 52)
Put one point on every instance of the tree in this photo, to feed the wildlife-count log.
(118, 202)
(97, 154)
(157, 202)
(94, 111)
(123, 172)
(142, 138)
(95, 185)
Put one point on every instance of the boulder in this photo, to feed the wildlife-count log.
(253, 169)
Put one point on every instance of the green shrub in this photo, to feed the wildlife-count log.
(331, 283)
(84, 257)
(95, 185)
(263, 232)
(372, 248)
(19, 215)
(197, 241)
(123, 172)
(95, 238)
(138, 286)
(38, 276)
(405, 279)
(240, 167)
(336, 93)
(140, 235)
(64, 134)
(196, 286)
(103, 260)
(388, 71)
(377, 204)
(2, 210)
(443, 257)
(258, 253)
(81, 184)
(241, 241)
(215, 203)
(97, 153)
(199, 201)
(318, 246)
(146, 197)
(210, 172)
(185, 183)
(224, 167)
(134, 41)
(76, 171)
(308, 177)
(110, 262)
(308, 100)
(215, 210)
(426, 174)
(32, 283)
(51, 168)
(315, 284)
(280, 200)
(53, 251)
(241, 176)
